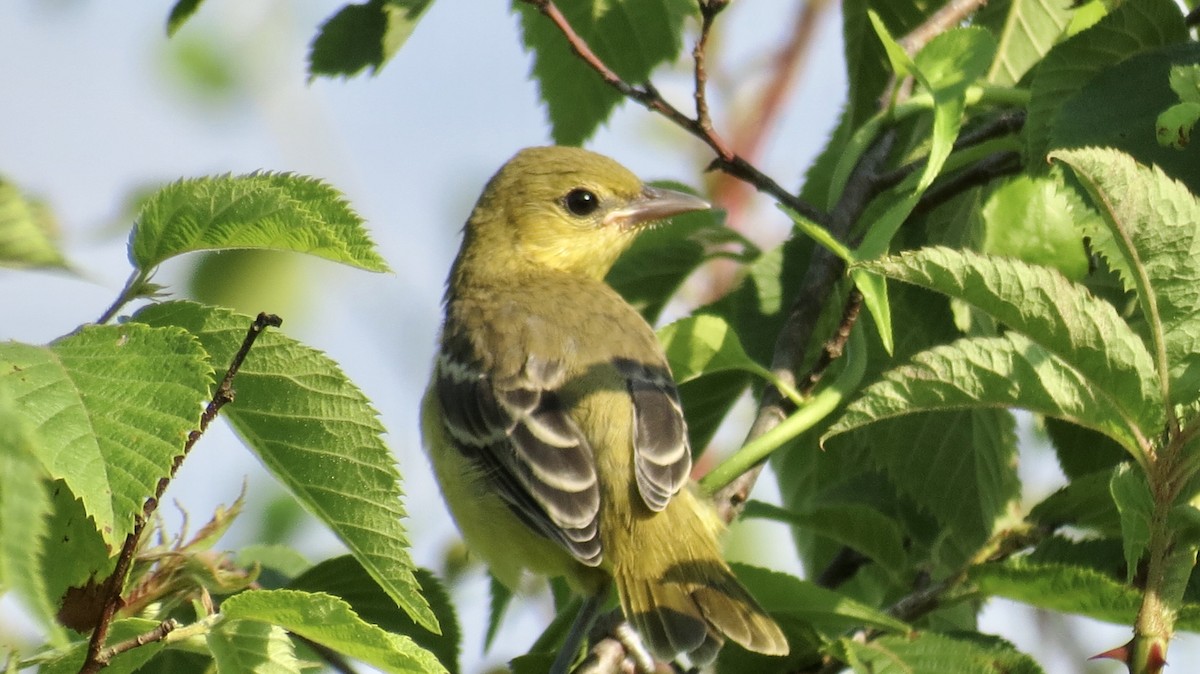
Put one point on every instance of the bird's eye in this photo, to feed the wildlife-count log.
(581, 202)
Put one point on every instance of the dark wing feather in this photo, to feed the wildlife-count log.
(662, 459)
(528, 446)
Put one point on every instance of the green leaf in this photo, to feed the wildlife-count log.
(1080, 450)
(874, 290)
(111, 408)
(281, 558)
(1071, 589)
(1062, 588)
(1150, 239)
(1185, 82)
(279, 211)
(857, 526)
(532, 663)
(1128, 29)
(866, 61)
(1059, 316)
(1102, 554)
(902, 65)
(1026, 31)
(980, 372)
(1035, 219)
(70, 661)
(933, 653)
(1085, 502)
(1119, 108)
(1131, 494)
(331, 622)
(246, 280)
(810, 411)
(830, 612)
(946, 66)
(631, 37)
(318, 435)
(923, 456)
(248, 646)
(500, 596)
(27, 232)
(345, 577)
(25, 507)
(1173, 128)
(70, 578)
(180, 13)
(363, 36)
(704, 343)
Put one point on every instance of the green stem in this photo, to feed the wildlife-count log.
(1168, 564)
(134, 288)
(819, 406)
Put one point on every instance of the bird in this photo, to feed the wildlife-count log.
(552, 422)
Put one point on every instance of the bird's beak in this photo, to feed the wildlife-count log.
(654, 203)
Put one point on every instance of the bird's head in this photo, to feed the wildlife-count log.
(567, 209)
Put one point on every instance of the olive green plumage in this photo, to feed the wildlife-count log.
(552, 421)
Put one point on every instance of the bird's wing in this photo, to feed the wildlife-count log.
(517, 430)
(662, 459)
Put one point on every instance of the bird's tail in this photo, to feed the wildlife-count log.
(682, 599)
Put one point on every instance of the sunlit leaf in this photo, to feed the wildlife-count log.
(319, 436)
(110, 408)
(329, 621)
(278, 211)
(1151, 239)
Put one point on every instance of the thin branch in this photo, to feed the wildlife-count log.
(950, 15)
(116, 581)
(980, 173)
(953, 13)
(835, 345)
(750, 132)
(157, 634)
(708, 13)
(1003, 124)
(649, 98)
(823, 272)
(844, 565)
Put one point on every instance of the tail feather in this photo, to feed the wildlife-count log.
(733, 612)
(664, 615)
(692, 609)
(674, 587)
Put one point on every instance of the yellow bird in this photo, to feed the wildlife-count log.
(552, 422)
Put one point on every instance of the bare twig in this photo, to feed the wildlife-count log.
(116, 581)
(950, 15)
(982, 172)
(708, 13)
(835, 345)
(927, 596)
(157, 634)
(648, 97)
(1003, 124)
(750, 133)
(844, 565)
